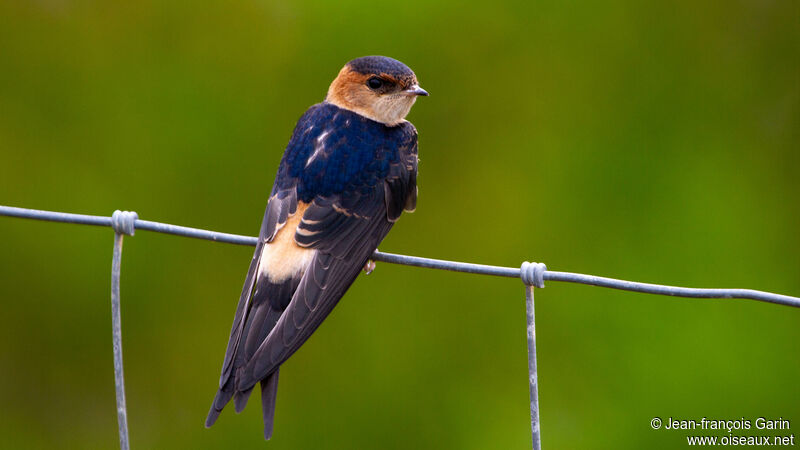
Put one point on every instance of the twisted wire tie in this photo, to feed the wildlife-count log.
(532, 274)
(123, 222)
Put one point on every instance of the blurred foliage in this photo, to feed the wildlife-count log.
(655, 141)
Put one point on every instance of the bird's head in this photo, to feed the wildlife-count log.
(379, 88)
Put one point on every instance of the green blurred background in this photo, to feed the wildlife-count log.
(653, 141)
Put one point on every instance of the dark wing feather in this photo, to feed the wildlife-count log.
(345, 229)
(281, 205)
(269, 392)
(324, 283)
(411, 201)
(257, 310)
(401, 184)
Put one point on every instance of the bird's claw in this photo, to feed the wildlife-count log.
(369, 267)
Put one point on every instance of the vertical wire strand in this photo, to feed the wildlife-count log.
(116, 325)
(532, 373)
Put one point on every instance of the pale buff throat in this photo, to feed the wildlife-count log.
(348, 91)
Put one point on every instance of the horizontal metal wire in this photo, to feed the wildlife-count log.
(416, 261)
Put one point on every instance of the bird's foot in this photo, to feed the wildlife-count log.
(369, 267)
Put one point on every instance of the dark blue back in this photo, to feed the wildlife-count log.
(333, 150)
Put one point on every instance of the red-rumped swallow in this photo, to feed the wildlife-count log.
(349, 171)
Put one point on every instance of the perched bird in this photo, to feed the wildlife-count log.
(349, 171)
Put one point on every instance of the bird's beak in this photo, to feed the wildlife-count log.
(416, 90)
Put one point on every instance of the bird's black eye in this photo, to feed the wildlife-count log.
(374, 83)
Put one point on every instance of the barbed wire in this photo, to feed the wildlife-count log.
(531, 274)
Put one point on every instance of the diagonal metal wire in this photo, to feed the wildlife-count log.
(533, 275)
(416, 261)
